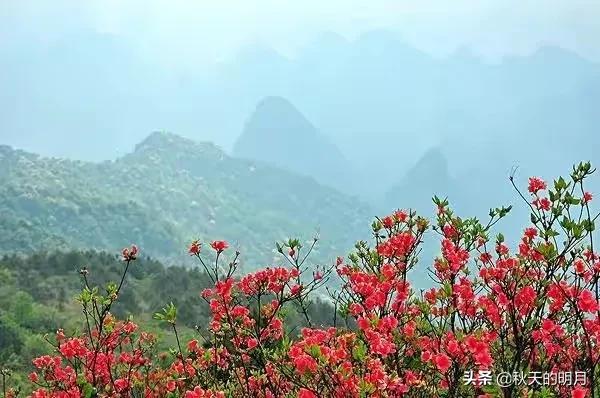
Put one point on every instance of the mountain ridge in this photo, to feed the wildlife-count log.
(163, 196)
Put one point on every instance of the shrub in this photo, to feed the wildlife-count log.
(496, 322)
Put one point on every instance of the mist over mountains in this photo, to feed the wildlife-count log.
(376, 98)
(373, 118)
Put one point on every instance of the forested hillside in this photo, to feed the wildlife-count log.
(167, 192)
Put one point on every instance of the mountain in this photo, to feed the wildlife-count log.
(277, 133)
(380, 101)
(428, 177)
(167, 192)
(384, 103)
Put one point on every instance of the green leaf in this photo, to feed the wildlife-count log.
(447, 289)
(88, 390)
(376, 225)
(168, 314)
(314, 351)
(505, 210)
(360, 351)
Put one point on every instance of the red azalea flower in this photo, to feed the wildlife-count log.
(304, 393)
(195, 248)
(536, 184)
(442, 362)
(121, 385)
(587, 302)
(579, 392)
(219, 245)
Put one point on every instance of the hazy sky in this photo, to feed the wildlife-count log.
(188, 32)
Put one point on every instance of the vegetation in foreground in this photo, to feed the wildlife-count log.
(532, 314)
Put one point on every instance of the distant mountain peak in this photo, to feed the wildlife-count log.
(167, 141)
(277, 104)
(387, 44)
(383, 39)
(159, 138)
(433, 160)
(552, 52)
(429, 176)
(6, 149)
(466, 55)
(327, 43)
(552, 56)
(277, 122)
(278, 133)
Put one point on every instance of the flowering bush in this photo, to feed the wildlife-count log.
(496, 323)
